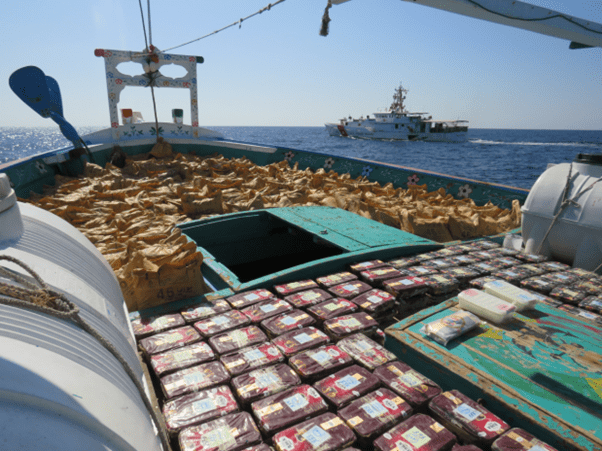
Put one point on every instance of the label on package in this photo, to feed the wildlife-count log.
(296, 402)
(316, 436)
(347, 383)
(374, 409)
(467, 412)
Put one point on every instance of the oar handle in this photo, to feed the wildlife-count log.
(67, 129)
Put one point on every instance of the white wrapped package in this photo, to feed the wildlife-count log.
(486, 306)
(452, 326)
(521, 299)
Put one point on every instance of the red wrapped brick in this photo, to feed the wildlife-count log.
(292, 343)
(342, 387)
(445, 252)
(484, 267)
(335, 279)
(406, 287)
(230, 433)
(221, 323)
(345, 325)
(463, 248)
(375, 301)
(349, 290)
(326, 432)
(569, 295)
(281, 324)
(517, 439)
(280, 411)
(374, 413)
(199, 407)
(484, 255)
(264, 382)
(481, 281)
(593, 303)
(531, 258)
(315, 364)
(563, 278)
(143, 327)
(506, 252)
(514, 275)
(439, 263)
(172, 339)
(464, 260)
(504, 262)
(412, 386)
(236, 339)
(204, 310)
(483, 244)
(364, 266)
(266, 309)
(463, 274)
(469, 420)
(251, 358)
(417, 433)
(242, 300)
(533, 269)
(404, 262)
(180, 358)
(365, 351)
(308, 298)
(541, 284)
(295, 287)
(421, 271)
(331, 309)
(553, 266)
(379, 275)
(194, 379)
(441, 284)
(589, 286)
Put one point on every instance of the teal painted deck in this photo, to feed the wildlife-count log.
(542, 371)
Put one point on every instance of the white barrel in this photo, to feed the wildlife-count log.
(59, 387)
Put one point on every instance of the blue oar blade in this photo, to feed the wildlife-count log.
(56, 103)
(29, 84)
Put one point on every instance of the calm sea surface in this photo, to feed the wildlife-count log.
(510, 157)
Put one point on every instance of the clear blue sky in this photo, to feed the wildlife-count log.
(277, 70)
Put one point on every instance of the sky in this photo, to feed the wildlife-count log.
(276, 70)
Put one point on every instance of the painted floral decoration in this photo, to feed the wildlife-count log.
(413, 179)
(328, 163)
(41, 167)
(366, 170)
(464, 191)
(289, 156)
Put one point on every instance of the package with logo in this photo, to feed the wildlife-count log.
(349, 290)
(294, 287)
(374, 413)
(194, 379)
(406, 287)
(215, 325)
(421, 271)
(172, 339)
(178, 359)
(484, 268)
(504, 262)
(581, 313)
(569, 295)
(593, 303)
(331, 309)
(521, 299)
(411, 385)
(342, 326)
(486, 306)
(236, 339)
(365, 351)
(205, 310)
(356, 268)
(281, 324)
(464, 260)
(541, 284)
(417, 433)
(445, 252)
(232, 432)
(590, 286)
(375, 301)
(326, 432)
(264, 382)
(441, 284)
(242, 300)
(563, 277)
(439, 263)
(533, 269)
(342, 387)
(478, 283)
(517, 439)
(296, 341)
(483, 244)
(469, 420)
(198, 407)
(553, 266)
(513, 275)
(506, 252)
(463, 248)
(581, 273)
(404, 262)
(335, 279)
(143, 327)
(452, 326)
(463, 274)
(315, 364)
(377, 276)
(531, 258)
(308, 298)
(280, 411)
(266, 309)
(251, 358)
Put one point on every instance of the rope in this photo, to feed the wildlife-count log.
(143, 27)
(325, 20)
(150, 31)
(45, 300)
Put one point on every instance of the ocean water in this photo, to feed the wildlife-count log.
(509, 157)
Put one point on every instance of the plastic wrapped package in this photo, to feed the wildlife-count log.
(374, 413)
(377, 276)
(406, 287)
(441, 284)
(484, 244)
(350, 289)
(552, 266)
(144, 327)
(252, 358)
(411, 385)
(593, 303)
(266, 309)
(300, 340)
(486, 306)
(280, 411)
(365, 351)
(375, 301)
(342, 387)
(504, 262)
(463, 274)
(458, 447)
(405, 262)
(582, 313)
(481, 281)
(356, 268)
(236, 339)
(521, 299)
(264, 382)
(484, 255)
(469, 420)
(462, 248)
(517, 439)
(507, 252)
(450, 327)
(180, 358)
(331, 309)
(215, 325)
(531, 258)
(464, 260)
(446, 252)
(513, 275)
(439, 263)
(281, 324)
(417, 433)
(541, 284)
(335, 279)
(484, 268)
(194, 379)
(590, 286)
(582, 273)
(533, 269)
(232, 432)
(568, 295)
(198, 407)
(308, 298)
(326, 432)
(342, 326)
(315, 364)
(420, 271)
(172, 339)
(294, 287)
(204, 310)
(242, 300)
(260, 447)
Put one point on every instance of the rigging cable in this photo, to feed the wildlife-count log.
(143, 27)
(152, 57)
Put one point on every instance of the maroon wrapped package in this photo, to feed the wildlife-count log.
(266, 309)
(315, 364)
(517, 439)
(545, 299)
(198, 407)
(307, 298)
(562, 277)
(349, 290)
(194, 379)
(553, 266)
(375, 301)
(251, 358)
(365, 351)
(481, 281)
(144, 327)
(180, 358)
(484, 268)
(404, 262)
(335, 279)
(260, 447)
(294, 287)
(439, 263)
(222, 323)
(236, 339)
(531, 258)
(342, 387)
(463, 274)
(292, 343)
(581, 313)
(582, 273)
(232, 432)
(172, 339)
(204, 310)
(464, 260)
(589, 286)
(280, 411)
(378, 275)
(242, 300)
(417, 433)
(593, 303)
(458, 447)
(513, 275)
(504, 262)
(541, 284)
(345, 325)
(264, 382)
(281, 324)
(441, 284)
(463, 248)
(484, 255)
(364, 266)
(421, 271)
(446, 252)
(569, 295)
(406, 287)
(533, 269)
(331, 309)
(374, 413)
(483, 244)
(469, 420)
(326, 432)
(506, 252)
(412, 386)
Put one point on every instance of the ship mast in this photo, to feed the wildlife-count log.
(398, 98)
